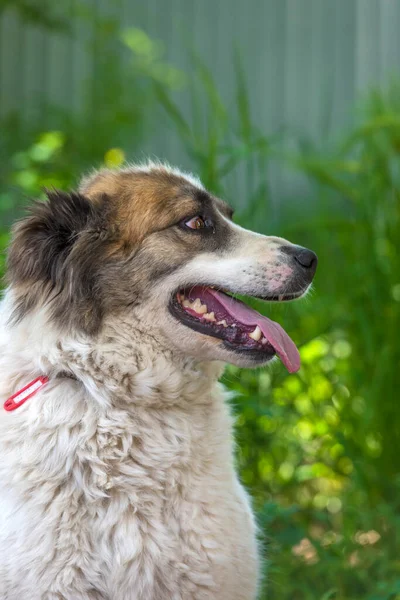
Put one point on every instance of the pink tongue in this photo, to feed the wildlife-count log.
(274, 333)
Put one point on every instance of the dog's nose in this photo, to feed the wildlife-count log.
(305, 258)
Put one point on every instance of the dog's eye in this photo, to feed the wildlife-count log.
(198, 223)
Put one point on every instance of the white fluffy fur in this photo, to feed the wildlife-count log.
(121, 485)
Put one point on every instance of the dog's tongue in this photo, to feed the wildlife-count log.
(274, 333)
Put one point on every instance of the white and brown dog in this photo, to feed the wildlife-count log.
(117, 478)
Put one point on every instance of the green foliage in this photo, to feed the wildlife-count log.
(317, 449)
(32, 12)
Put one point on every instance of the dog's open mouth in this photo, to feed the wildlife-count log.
(241, 328)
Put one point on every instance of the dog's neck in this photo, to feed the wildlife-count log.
(124, 364)
(127, 365)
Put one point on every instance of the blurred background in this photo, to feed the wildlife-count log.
(289, 109)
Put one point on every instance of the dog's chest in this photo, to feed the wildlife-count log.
(183, 531)
(174, 518)
(141, 506)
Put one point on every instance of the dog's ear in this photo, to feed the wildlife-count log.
(42, 241)
(48, 256)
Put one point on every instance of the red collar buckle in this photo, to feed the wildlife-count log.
(27, 392)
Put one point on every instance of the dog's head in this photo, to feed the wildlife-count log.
(152, 242)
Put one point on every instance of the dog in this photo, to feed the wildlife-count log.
(117, 476)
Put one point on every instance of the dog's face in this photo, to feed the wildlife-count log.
(154, 242)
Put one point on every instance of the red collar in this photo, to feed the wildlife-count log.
(27, 392)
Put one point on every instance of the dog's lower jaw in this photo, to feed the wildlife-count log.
(122, 484)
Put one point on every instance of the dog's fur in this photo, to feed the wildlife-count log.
(117, 480)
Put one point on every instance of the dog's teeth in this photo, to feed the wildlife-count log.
(200, 308)
(281, 297)
(264, 341)
(187, 303)
(196, 303)
(233, 325)
(256, 334)
(209, 316)
(223, 322)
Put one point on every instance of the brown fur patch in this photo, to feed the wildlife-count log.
(145, 202)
